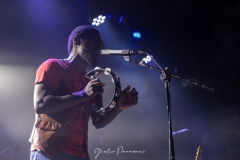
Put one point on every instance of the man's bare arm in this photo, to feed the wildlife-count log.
(45, 100)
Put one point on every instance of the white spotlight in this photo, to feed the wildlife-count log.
(99, 20)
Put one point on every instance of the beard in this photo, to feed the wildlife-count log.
(90, 58)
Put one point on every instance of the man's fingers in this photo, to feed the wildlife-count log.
(126, 89)
(94, 87)
(133, 91)
(97, 82)
(98, 89)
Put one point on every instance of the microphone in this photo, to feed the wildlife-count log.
(126, 52)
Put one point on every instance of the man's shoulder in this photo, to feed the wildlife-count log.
(62, 63)
(50, 61)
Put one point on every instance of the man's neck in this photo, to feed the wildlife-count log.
(79, 64)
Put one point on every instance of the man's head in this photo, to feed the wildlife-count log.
(86, 42)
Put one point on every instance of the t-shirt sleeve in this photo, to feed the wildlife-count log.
(49, 72)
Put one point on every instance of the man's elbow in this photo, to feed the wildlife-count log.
(38, 109)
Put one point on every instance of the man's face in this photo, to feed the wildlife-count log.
(90, 46)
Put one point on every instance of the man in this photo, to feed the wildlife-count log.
(63, 97)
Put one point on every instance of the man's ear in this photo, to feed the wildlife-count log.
(76, 40)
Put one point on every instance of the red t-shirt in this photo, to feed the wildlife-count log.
(50, 73)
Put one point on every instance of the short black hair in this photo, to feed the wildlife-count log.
(79, 31)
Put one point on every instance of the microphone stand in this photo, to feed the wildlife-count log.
(166, 78)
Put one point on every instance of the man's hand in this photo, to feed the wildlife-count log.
(93, 88)
(127, 98)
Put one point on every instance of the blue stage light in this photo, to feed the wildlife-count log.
(136, 35)
(120, 19)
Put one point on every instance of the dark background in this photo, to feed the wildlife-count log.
(198, 40)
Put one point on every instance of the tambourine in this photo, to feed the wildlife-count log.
(112, 101)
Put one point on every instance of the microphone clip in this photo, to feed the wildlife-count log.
(127, 58)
